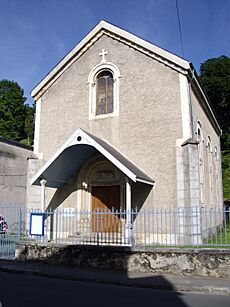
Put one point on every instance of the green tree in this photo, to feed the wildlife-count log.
(29, 125)
(215, 77)
(226, 174)
(16, 117)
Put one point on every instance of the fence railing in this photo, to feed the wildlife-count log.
(180, 227)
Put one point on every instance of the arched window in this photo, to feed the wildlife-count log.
(104, 93)
(200, 148)
(103, 83)
(209, 145)
(210, 167)
(216, 175)
(200, 139)
(199, 132)
(216, 155)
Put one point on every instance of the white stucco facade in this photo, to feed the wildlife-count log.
(158, 102)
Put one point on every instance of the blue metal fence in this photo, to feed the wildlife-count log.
(179, 227)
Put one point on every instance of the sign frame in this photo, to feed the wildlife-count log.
(37, 221)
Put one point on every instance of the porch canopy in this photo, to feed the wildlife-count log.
(69, 159)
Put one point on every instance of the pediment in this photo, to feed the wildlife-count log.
(105, 28)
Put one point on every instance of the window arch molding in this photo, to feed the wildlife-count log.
(210, 166)
(199, 132)
(200, 139)
(209, 145)
(216, 153)
(92, 79)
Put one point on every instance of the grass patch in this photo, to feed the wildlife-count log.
(221, 238)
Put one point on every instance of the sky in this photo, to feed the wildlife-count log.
(36, 34)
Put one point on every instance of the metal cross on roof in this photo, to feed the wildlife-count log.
(103, 53)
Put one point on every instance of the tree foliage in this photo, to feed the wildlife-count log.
(16, 117)
(215, 77)
(29, 124)
(226, 174)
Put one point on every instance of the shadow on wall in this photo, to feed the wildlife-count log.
(140, 192)
(106, 265)
(60, 196)
(62, 193)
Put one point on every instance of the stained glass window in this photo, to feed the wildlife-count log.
(104, 85)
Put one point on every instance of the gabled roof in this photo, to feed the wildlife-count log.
(175, 62)
(104, 27)
(81, 146)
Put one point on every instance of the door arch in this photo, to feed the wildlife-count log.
(101, 187)
(106, 197)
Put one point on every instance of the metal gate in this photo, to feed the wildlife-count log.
(10, 229)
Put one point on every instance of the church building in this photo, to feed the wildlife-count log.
(122, 123)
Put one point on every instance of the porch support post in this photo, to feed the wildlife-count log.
(43, 185)
(128, 223)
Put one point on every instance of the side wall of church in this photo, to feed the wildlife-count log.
(211, 156)
(149, 120)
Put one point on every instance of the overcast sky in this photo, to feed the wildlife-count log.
(36, 34)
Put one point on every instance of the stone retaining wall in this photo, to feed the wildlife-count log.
(194, 262)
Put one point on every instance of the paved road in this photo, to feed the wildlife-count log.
(19, 290)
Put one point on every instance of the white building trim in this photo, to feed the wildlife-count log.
(43, 191)
(185, 107)
(37, 126)
(80, 137)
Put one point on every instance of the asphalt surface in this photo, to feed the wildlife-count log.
(20, 290)
(131, 279)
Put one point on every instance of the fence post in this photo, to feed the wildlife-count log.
(128, 225)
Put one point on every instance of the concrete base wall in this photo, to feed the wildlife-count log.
(33, 193)
(188, 184)
(194, 262)
(13, 171)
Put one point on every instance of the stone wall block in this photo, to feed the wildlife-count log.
(206, 262)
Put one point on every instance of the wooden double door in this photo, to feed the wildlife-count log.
(106, 208)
